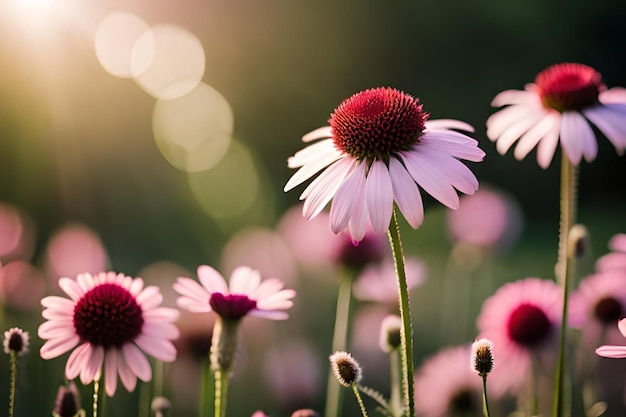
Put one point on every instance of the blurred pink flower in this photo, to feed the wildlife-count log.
(262, 250)
(597, 304)
(21, 285)
(17, 234)
(375, 152)
(259, 413)
(293, 373)
(488, 219)
(522, 319)
(111, 318)
(609, 351)
(615, 259)
(247, 295)
(445, 385)
(74, 249)
(558, 108)
(378, 282)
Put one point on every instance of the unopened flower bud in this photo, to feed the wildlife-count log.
(577, 242)
(67, 402)
(346, 369)
(15, 341)
(390, 329)
(482, 357)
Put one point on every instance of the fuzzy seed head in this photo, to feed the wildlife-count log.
(482, 356)
(15, 341)
(346, 369)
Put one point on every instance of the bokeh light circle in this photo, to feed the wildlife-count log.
(167, 61)
(114, 41)
(193, 132)
(230, 189)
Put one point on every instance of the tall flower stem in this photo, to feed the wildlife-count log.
(395, 397)
(223, 349)
(406, 335)
(13, 378)
(206, 386)
(564, 268)
(221, 392)
(334, 393)
(359, 400)
(96, 392)
(485, 399)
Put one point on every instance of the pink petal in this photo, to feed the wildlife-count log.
(613, 95)
(319, 133)
(150, 297)
(162, 330)
(517, 129)
(610, 119)
(502, 120)
(379, 196)
(161, 314)
(621, 325)
(110, 372)
(244, 280)
(193, 305)
(137, 362)
(323, 188)
(531, 138)
(71, 288)
(77, 360)
(93, 365)
(56, 329)
(445, 124)
(609, 351)
(577, 138)
(269, 314)
(513, 97)
(313, 167)
(127, 376)
(56, 347)
(430, 178)
(447, 143)
(212, 280)
(547, 146)
(160, 349)
(406, 194)
(192, 289)
(310, 153)
(342, 210)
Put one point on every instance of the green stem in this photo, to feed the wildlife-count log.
(221, 392)
(396, 397)
(564, 268)
(355, 389)
(334, 393)
(13, 378)
(205, 388)
(485, 399)
(406, 335)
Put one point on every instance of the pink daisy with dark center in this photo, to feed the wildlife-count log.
(559, 107)
(522, 319)
(110, 319)
(378, 148)
(245, 296)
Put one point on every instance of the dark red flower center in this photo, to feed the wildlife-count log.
(377, 123)
(231, 306)
(528, 325)
(16, 342)
(108, 315)
(608, 310)
(569, 86)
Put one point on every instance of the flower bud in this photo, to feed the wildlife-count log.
(482, 357)
(346, 369)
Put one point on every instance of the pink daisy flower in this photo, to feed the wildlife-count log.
(378, 148)
(110, 318)
(558, 108)
(245, 296)
(610, 351)
(445, 385)
(522, 319)
(616, 259)
(598, 303)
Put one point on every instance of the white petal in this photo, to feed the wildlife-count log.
(379, 196)
(323, 188)
(530, 139)
(244, 280)
(406, 194)
(577, 137)
(517, 129)
(311, 168)
(319, 133)
(444, 142)
(445, 124)
(311, 153)
(547, 146)
(342, 207)
(500, 121)
(513, 97)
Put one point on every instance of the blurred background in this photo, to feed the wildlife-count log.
(149, 137)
